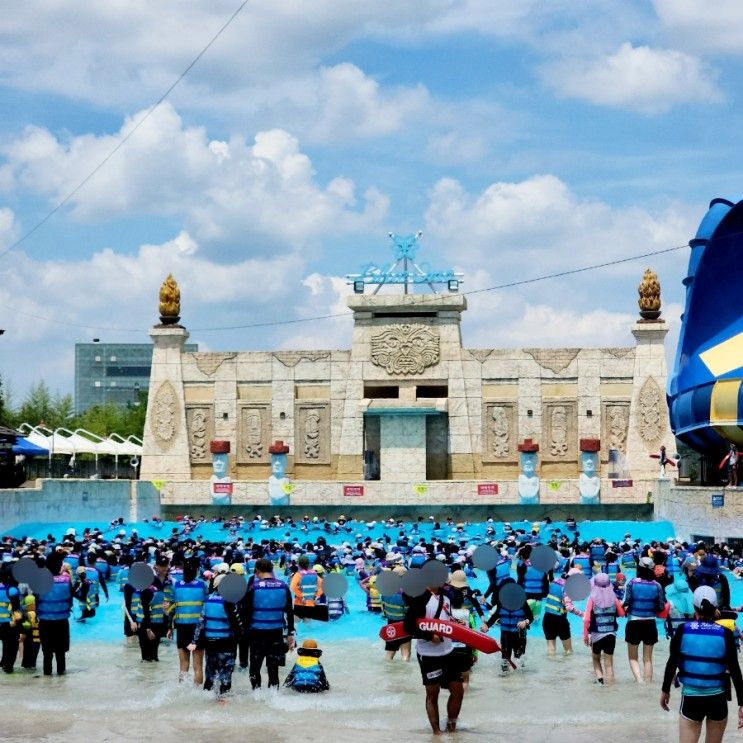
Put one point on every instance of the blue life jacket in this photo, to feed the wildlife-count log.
(598, 552)
(611, 569)
(627, 560)
(562, 564)
(73, 560)
(157, 615)
(102, 567)
(91, 573)
(189, 601)
(336, 608)
(509, 619)
(553, 603)
(673, 567)
(135, 605)
(216, 623)
(584, 562)
(6, 611)
(56, 604)
(502, 569)
(643, 598)
(675, 619)
(702, 656)
(533, 582)
(394, 607)
(250, 566)
(307, 678)
(308, 585)
(269, 602)
(603, 620)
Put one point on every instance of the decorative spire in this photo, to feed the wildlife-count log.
(170, 301)
(649, 291)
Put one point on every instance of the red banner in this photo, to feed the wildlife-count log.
(487, 488)
(222, 488)
(353, 490)
(621, 483)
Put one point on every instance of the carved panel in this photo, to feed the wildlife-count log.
(405, 349)
(292, 358)
(614, 425)
(200, 426)
(164, 416)
(312, 433)
(619, 353)
(554, 359)
(651, 414)
(499, 435)
(481, 354)
(253, 433)
(208, 363)
(560, 429)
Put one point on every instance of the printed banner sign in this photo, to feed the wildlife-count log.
(718, 500)
(222, 488)
(353, 490)
(621, 483)
(487, 488)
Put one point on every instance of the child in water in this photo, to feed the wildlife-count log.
(308, 675)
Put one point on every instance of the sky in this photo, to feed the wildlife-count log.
(523, 138)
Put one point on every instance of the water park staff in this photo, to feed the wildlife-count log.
(306, 587)
(268, 613)
(704, 654)
(435, 658)
(54, 613)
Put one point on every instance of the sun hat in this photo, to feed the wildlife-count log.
(458, 579)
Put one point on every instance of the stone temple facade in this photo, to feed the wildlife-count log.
(407, 409)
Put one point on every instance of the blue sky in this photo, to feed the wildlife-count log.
(521, 137)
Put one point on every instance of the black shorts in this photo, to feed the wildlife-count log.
(394, 645)
(513, 642)
(184, 635)
(555, 625)
(604, 645)
(714, 708)
(462, 659)
(641, 631)
(438, 670)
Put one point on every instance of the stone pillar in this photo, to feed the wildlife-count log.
(403, 448)
(648, 425)
(165, 449)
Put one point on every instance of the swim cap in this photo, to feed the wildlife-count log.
(309, 645)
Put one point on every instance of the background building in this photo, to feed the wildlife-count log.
(112, 372)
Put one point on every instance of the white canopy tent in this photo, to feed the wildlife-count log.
(64, 442)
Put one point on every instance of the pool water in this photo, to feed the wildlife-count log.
(110, 695)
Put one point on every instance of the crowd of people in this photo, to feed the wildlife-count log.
(684, 585)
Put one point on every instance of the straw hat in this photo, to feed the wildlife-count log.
(458, 579)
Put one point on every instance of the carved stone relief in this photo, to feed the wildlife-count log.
(405, 349)
(618, 353)
(208, 363)
(200, 425)
(312, 433)
(615, 422)
(499, 432)
(164, 418)
(292, 358)
(253, 433)
(554, 359)
(559, 424)
(480, 354)
(651, 412)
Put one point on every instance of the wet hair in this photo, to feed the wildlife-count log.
(264, 566)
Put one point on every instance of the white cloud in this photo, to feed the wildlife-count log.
(638, 78)
(221, 190)
(702, 25)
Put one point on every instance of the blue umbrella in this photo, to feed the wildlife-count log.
(24, 446)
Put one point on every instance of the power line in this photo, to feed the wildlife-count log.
(127, 137)
(423, 299)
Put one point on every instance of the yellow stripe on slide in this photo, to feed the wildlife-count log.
(725, 356)
(723, 410)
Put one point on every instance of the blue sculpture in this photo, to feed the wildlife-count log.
(528, 477)
(705, 398)
(279, 487)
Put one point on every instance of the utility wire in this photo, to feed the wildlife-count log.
(126, 138)
(423, 299)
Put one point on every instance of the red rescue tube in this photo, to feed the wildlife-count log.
(453, 630)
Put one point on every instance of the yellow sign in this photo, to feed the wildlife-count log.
(554, 485)
(420, 489)
(158, 484)
(288, 488)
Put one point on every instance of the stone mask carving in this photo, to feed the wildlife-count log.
(405, 349)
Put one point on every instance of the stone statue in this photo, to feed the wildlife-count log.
(220, 481)
(312, 434)
(589, 480)
(279, 487)
(649, 291)
(528, 478)
(198, 436)
(499, 429)
(170, 301)
(254, 435)
(405, 349)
